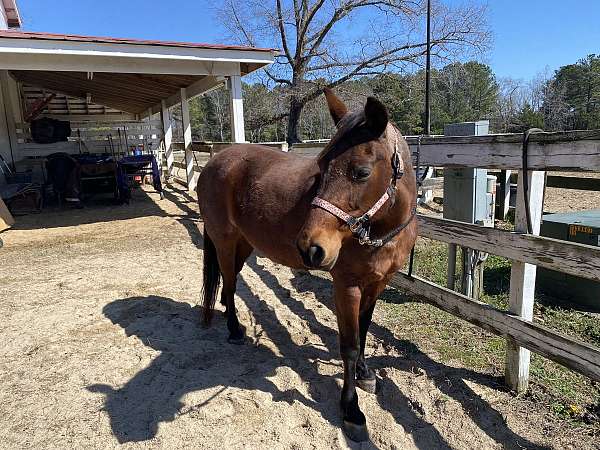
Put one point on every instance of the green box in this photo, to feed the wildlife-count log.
(582, 227)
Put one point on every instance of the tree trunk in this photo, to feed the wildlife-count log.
(294, 121)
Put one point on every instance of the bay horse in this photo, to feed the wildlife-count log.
(348, 211)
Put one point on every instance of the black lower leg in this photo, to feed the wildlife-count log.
(363, 372)
(236, 331)
(354, 419)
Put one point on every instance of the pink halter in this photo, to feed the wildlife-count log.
(361, 226)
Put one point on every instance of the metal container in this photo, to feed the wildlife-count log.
(582, 227)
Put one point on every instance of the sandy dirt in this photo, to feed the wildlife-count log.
(101, 346)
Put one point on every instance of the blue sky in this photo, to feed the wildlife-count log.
(529, 35)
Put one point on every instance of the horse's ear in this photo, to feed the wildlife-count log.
(376, 116)
(337, 108)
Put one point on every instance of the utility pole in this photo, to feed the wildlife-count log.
(428, 73)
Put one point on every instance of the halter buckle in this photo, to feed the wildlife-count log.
(356, 223)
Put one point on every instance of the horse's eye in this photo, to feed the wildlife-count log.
(361, 173)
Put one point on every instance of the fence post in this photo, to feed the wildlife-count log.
(187, 141)
(522, 279)
(168, 137)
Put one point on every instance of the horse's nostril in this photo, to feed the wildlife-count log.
(316, 254)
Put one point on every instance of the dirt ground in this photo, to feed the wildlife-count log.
(101, 346)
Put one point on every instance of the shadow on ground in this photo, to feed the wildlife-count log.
(99, 208)
(193, 358)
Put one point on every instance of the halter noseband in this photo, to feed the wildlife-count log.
(361, 226)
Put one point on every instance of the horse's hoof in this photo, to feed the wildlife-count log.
(355, 432)
(368, 385)
(236, 340)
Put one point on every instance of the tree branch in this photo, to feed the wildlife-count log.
(282, 32)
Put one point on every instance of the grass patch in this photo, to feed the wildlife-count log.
(568, 395)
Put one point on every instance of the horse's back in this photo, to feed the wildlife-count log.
(258, 192)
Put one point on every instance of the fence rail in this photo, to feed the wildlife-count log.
(94, 137)
(566, 151)
(579, 356)
(568, 257)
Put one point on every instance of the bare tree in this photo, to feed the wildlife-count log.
(328, 42)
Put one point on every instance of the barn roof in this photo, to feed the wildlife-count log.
(130, 75)
(112, 40)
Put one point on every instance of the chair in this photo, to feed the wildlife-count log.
(12, 176)
(19, 190)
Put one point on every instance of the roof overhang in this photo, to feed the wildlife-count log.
(42, 51)
(129, 75)
(13, 18)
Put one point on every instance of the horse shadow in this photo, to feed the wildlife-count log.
(193, 358)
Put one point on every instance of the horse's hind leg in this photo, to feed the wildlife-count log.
(231, 261)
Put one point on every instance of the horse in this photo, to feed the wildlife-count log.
(349, 211)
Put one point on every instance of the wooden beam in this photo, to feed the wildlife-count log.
(579, 356)
(569, 150)
(522, 277)
(568, 257)
(564, 150)
(124, 57)
(202, 86)
(236, 108)
(98, 63)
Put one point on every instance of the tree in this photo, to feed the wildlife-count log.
(580, 84)
(323, 43)
(528, 118)
(463, 92)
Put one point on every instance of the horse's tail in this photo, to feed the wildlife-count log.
(211, 278)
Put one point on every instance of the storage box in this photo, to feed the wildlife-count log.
(582, 227)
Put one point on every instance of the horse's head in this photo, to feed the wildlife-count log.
(355, 172)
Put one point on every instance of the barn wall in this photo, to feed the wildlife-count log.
(4, 138)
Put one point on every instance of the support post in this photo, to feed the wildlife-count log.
(8, 113)
(451, 275)
(503, 195)
(187, 141)
(168, 137)
(236, 109)
(522, 279)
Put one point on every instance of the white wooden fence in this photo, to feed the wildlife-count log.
(95, 138)
(572, 151)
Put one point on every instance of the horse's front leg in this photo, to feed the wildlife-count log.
(347, 305)
(365, 376)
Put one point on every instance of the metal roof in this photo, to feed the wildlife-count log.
(112, 40)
